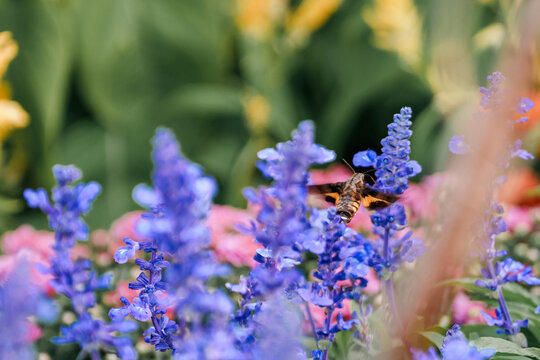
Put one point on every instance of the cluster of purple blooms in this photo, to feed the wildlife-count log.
(393, 169)
(267, 321)
(345, 256)
(75, 279)
(284, 229)
(175, 227)
(497, 273)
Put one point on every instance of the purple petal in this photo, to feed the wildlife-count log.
(364, 158)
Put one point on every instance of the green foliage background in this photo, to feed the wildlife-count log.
(98, 76)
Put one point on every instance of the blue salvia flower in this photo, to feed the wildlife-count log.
(282, 219)
(344, 255)
(455, 347)
(498, 273)
(393, 169)
(175, 228)
(282, 227)
(76, 280)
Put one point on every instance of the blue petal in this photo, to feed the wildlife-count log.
(364, 158)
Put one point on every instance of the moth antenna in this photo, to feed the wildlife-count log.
(349, 165)
(370, 170)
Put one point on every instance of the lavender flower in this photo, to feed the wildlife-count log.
(345, 256)
(393, 168)
(75, 279)
(283, 228)
(455, 347)
(283, 214)
(176, 231)
(494, 98)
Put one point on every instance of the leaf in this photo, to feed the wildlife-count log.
(434, 337)
(505, 346)
(503, 356)
(518, 293)
(467, 283)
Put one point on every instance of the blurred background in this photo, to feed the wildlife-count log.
(87, 83)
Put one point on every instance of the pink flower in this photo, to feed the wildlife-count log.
(126, 227)
(230, 244)
(113, 239)
(334, 173)
(374, 284)
(519, 219)
(34, 332)
(25, 236)
(35, 260)
(35, 246)
(319, 314)
(469, 312)
(112, 298)
(419, 198)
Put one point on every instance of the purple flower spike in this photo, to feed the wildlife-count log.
(76, 280)
(178, 205)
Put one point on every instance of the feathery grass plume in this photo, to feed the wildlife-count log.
(495, 98)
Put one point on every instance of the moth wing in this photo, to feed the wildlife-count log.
(331, 191)
(373, 199)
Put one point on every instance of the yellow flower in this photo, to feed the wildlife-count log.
(8, 50)
(12, 115)
(257, 110)
(257, 18)
(310, 16)
(396, 27)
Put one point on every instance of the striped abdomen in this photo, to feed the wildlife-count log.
(347, 205)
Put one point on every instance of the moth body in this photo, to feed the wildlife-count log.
(347, 196)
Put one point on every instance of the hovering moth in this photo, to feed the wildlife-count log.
(347, 196)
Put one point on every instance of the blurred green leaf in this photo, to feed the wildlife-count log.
(502, 346)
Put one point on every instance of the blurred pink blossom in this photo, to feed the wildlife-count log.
(35, 261)
(32, 245)
(34, 332)
(374, 284)
(319, 314)
(519, 218)
(419, 198)
(229, 243)
(112, 298)
(125, 227)
(469, 312)
(113, 239)
(25, 236)
(334, 173)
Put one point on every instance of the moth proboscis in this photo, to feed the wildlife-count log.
(347, 196)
